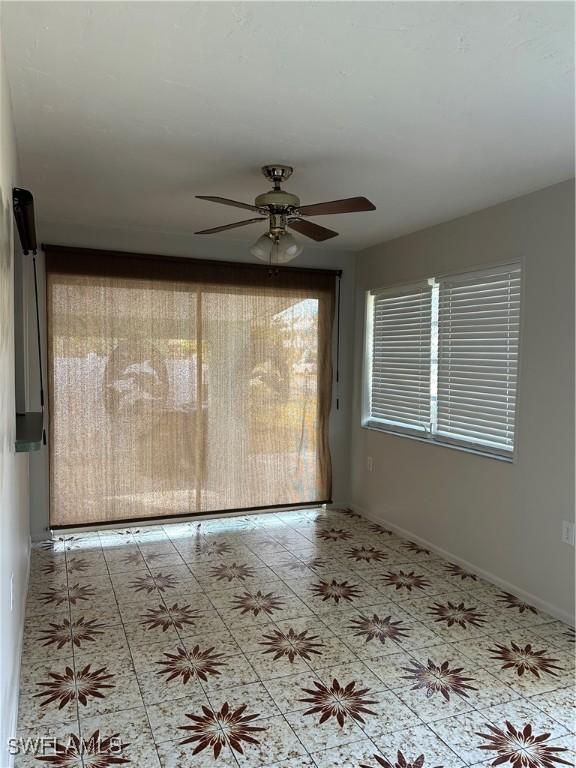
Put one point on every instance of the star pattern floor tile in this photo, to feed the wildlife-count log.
(305, 639)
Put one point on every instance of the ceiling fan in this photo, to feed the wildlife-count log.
(283, 210)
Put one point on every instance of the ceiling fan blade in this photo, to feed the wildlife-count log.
(350, 205)
(228, 226)
(311, 230)
(226, 201)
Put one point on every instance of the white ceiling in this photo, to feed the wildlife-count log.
(125, 111)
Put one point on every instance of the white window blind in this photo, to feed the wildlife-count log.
(478, 339)
(400, 356)
(443, 359)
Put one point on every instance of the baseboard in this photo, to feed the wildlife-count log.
(542, 605)
(12, 729)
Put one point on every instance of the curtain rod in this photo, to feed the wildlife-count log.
(80, 251)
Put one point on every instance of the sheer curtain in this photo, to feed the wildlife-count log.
(178, 386)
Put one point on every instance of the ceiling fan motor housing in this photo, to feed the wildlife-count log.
(277, 199)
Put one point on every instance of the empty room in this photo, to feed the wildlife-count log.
(287, 388)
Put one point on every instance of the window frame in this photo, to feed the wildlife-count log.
(426, 436)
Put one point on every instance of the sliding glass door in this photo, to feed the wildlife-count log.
(175, 396)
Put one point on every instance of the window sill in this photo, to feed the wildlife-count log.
(374, 427)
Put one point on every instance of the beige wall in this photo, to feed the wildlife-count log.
(14, 531)
(504, 519)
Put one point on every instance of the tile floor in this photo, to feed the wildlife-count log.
(308, 639)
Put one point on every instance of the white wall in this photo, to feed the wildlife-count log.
(176, 244)
(502, 518)
(14, 530)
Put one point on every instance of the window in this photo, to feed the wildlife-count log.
(442, 359)
(180, 386)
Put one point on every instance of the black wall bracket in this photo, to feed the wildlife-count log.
(29, 426)
(23, 203)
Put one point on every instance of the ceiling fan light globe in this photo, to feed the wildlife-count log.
(286, 249)
(262, 248)
(278, 250)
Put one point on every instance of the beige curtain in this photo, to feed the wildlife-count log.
(181, 387)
